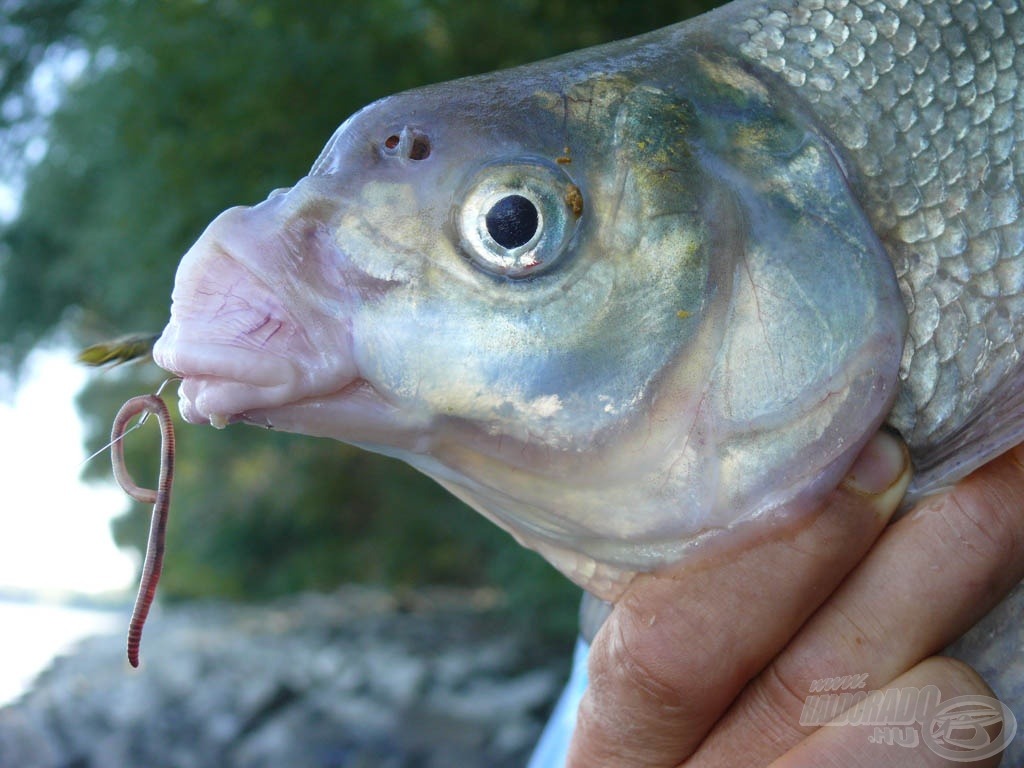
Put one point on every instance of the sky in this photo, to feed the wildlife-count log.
(8, 202)
(54, 529)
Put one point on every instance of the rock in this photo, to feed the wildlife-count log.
(356, 678)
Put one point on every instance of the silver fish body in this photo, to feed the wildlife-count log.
(649, 296)
(923, 100)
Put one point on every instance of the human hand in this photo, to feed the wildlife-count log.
(709, 663)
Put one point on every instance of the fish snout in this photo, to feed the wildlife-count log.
(251, 326)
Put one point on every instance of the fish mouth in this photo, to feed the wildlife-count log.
(356, 413)
(205, 399)
(224, 385)
(219, 401)
(219, 381)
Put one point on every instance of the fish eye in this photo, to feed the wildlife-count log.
(512, 221)
(517, 219)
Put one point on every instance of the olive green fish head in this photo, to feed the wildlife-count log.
(588, 301)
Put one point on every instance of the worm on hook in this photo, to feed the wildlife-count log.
(160, 498)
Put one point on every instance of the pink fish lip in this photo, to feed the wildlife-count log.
(262, 416)
(220, 361)
(208, 399)
(220, 381)
(223, 384)
(266, 416)
(356, 413)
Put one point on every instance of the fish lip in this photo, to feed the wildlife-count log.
(357, 413)
(220, 380)
(205, 399)
(219, 400)
(228, 362)
(210, 393)
(264, 416)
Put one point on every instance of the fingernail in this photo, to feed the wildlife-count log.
(880, 465)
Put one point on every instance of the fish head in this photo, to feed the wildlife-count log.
(598, 307)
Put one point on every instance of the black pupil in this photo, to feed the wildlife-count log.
(512, 221)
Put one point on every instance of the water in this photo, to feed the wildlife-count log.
(32, 634)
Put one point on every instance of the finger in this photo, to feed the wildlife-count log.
(894, 728)
(679, 645)
(929, 578)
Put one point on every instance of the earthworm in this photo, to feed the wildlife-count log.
(159, 498)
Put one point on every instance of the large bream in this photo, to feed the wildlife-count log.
(647, 297)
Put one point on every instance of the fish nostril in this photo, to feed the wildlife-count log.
(420, 148)
(410, 144)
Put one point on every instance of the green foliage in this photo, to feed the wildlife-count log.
(184, 108)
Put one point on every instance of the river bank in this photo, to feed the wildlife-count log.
(356, 678)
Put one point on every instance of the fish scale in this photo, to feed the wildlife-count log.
(925, 104)
(923, 101)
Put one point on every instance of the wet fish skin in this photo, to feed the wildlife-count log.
(772, 198)
(677, 368)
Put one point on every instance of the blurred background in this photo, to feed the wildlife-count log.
(125, 126)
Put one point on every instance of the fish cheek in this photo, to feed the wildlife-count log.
(809, 359)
